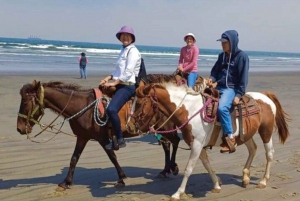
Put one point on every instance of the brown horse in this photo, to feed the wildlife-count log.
(69, 102)
(184, 111)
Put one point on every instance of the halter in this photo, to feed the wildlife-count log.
(40, 107)
(154, 102)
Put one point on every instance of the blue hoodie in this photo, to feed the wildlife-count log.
(234, 75)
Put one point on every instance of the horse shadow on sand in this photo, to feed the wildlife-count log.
(100, 182)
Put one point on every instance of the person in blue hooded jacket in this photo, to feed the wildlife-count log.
(231, 74)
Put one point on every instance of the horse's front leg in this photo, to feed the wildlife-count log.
(68, 181)
(113, 158)
(194, 155)
(216, 180)
(252, 147)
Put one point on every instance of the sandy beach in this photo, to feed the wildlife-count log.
(31, 171)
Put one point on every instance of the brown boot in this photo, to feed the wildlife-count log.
(230, 146)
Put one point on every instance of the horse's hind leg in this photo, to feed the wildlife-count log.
(216, 180)
(68, 181)
(167, 169)
(113, 158)
(175, 140)
(170, 165)
(252, 147)
(269, 155)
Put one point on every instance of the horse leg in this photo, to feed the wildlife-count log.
(252, 147)
(216, 180)
(68, 181)
(194, 155)
(167, 169)
(175, 143)
(269, 155)
(113, 158)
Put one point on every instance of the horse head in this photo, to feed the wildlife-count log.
(146, 113)
(31, 107)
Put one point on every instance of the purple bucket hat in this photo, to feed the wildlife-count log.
(126, 29)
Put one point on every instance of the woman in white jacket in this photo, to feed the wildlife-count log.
(127, 69)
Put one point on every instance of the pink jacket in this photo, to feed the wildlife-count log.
(189, 59)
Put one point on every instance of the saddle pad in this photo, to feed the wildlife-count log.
(98, 95)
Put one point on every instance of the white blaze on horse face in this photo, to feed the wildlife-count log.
(264, 98)
(193, 104)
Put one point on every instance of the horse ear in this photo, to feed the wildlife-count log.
(147, 89)
(139, 90)
(33, 83)
(36, 84)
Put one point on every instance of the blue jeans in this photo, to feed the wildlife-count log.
(82, 71)
(225, 103)
(192, 79)
(122, 95)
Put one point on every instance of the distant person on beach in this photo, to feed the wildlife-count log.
(82, 65)
(188, 61)
(231, 74)
(124, 78)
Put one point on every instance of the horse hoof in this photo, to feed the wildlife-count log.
(120, 184)
(162, 176)
(261, 186)
(175, 171)
(60, 189)
(216, 190)
(220, 181)
(245, 184)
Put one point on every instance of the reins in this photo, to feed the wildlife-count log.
(50, 125)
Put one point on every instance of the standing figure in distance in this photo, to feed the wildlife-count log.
(231, 74)
(188, 61)
(82, 65)
(124, 79)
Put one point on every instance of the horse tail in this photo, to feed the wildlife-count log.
(281, 118)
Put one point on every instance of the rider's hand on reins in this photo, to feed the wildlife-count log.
(236, 101)
(209, 82)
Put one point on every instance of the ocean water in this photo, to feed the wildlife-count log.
(25, 56)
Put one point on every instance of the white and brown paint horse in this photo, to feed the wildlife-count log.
(173, 102)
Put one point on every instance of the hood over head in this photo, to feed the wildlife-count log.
(233, 37)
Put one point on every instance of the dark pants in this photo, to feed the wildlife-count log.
(122, 95)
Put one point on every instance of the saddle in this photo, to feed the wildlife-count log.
(246, 107)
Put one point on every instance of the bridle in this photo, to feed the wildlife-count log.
(154, 105)
(39, 106)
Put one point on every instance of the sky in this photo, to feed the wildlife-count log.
(263, 25)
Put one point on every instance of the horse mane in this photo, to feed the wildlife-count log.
(62, 85)
(164, 85)
(159, 78)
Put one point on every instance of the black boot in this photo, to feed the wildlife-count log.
(120, 143)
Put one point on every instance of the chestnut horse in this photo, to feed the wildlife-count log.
(67, 101)
(184, 111)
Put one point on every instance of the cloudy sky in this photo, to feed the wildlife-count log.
(263, 25)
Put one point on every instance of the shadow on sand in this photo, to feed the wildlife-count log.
(100, 182)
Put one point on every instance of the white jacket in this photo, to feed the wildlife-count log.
(127, 66)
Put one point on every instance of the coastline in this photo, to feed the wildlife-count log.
(32, 171)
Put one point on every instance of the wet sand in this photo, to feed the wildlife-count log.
(31, 171)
